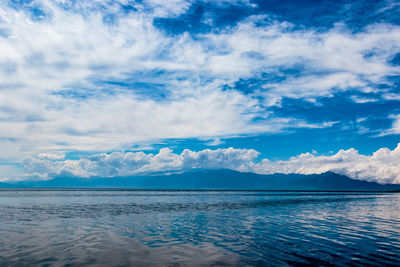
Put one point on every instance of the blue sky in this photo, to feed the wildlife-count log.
(115, 88)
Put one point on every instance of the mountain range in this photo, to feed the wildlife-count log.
(221, 179)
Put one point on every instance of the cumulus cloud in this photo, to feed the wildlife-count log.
(131, 163)
(383, 166)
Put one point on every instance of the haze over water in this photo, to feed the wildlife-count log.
(186, 228)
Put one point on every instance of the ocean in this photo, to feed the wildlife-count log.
(198, 228)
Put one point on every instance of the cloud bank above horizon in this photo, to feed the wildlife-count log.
(87, 78)
(382, 166)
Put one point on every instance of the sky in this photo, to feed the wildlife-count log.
(123, 88)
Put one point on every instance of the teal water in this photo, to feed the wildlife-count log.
(189, 228)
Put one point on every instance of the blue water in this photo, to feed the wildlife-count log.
(170, 228)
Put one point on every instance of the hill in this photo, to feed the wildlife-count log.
(215, 179)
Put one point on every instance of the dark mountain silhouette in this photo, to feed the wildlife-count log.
(4, 185)
(215, 179)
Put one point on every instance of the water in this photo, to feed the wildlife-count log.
(187, 228)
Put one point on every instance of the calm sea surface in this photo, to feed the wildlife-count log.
(186, 228)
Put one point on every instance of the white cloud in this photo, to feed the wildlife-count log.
(169, 8)
(51, 156)
(215, 142)
(131, 163)
(238, 159)
(383, 166)
(396, 124)
(394, 129)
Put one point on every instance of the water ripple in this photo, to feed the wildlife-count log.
(142, 228)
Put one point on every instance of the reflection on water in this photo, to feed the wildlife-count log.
(169, 228)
